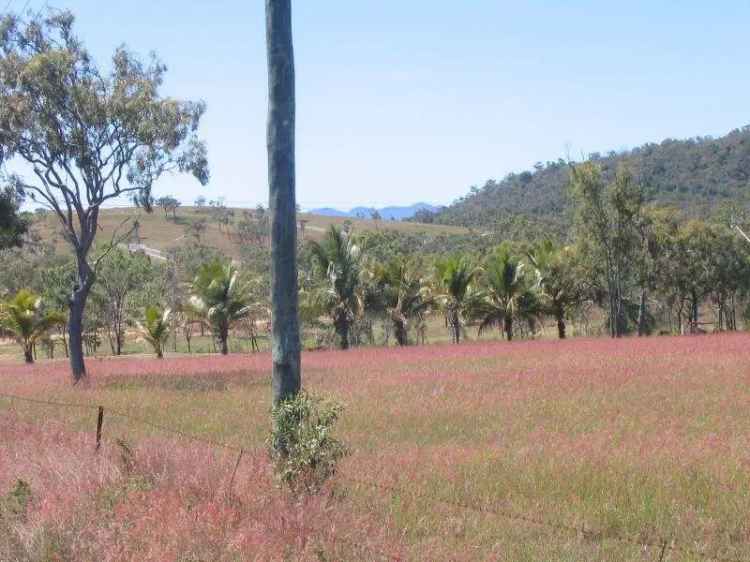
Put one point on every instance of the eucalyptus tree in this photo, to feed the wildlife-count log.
(283, 206)
(454, 277)
(337, 267)
(606, 218)
(12, 224)
(120, 274)
(26, 318)
(507, 296)
(221, 297)
(88, 136)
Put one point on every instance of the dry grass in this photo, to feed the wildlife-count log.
(631, 441)
(161, 233)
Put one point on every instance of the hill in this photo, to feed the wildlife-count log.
(695, 175)
(159, 231)
(386, 213)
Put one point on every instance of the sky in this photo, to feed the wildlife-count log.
(400, 101)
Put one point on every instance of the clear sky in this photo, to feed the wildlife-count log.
(416, 100)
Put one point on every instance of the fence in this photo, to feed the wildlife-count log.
(660, 545)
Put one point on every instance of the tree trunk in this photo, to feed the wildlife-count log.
(75, 332)
(642, 314)
(455, 326)
(561, 326)
(28, 354)
(224, 339)
(282, 200)
(508, 327)
(342, 330)
(400, 332)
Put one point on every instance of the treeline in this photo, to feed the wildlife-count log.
(695, 175)
(630, 268)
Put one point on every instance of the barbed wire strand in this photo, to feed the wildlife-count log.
(137, 420)
(591, 534)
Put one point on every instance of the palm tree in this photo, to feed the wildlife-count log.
(156, 327)
(221, 297)
(25, 318)
(454, 278)
(557, 286)
(508, 296)
(338, 266)
(401, 294)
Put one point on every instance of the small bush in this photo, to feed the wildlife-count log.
(15, 503)
(303, 451)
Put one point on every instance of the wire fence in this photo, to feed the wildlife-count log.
(660, 544)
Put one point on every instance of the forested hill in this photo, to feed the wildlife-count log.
(695, 174)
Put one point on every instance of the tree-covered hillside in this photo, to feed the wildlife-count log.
(695, 174)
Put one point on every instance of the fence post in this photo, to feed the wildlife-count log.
(234, 472)
(663, 551)
(99, 422)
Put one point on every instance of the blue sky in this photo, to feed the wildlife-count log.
(403, 101)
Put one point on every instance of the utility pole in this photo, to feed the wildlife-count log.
(282, 200)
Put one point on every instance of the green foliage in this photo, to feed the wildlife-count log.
(559, 288)
(14, 504)
(337, 267)
(221, 297)
(25, 318)
(13, 225)
(155, 328)
(399, 292)
(693, 175)
(119, 275)
(454, 276)
(507, 296)
(89, 135)
(607, 219)
(302, 446)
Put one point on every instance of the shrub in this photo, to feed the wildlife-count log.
(302, 448)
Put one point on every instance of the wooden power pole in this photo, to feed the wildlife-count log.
(282, 200)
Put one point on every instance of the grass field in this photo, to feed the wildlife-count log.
(160, 232)
(543, 450)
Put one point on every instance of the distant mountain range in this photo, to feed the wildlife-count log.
(386, 213)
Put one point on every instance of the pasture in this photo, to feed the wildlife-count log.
(632, 449)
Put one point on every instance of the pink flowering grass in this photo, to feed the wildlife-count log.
(164, 500)
(632, 441)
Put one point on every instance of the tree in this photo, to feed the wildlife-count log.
(25, 317)
(281, 181)
(606, 218)
(559, 289)
(155, 328)
(88, 136)
(508, 296)
(13, 226)
(169, 204)
(454, 278)
(54, 284)
(119, 274)
(337, 259)
(196, 228)
(221, 297)
(400, 293)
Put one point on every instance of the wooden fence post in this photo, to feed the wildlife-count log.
(99, 422)
(234, 472)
